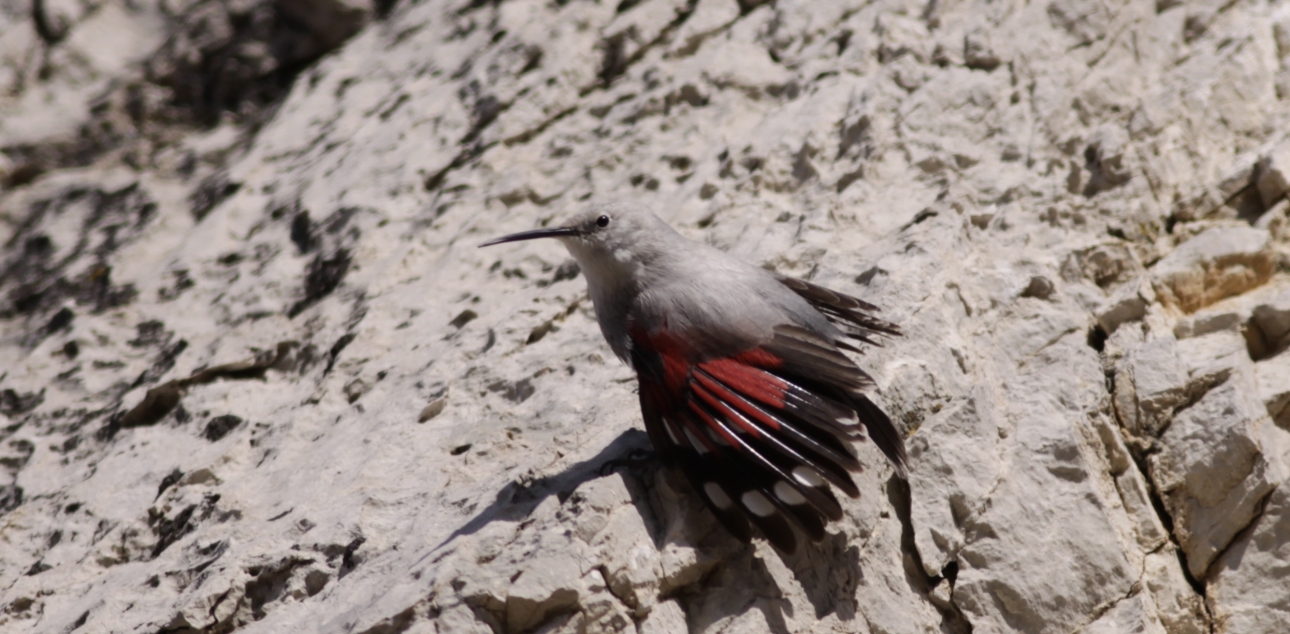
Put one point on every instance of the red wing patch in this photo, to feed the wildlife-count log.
(757, 447)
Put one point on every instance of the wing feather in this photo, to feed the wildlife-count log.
(764, 433)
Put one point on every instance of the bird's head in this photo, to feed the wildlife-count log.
(608, 240)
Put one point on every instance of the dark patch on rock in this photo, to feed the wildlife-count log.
(96, 290)
(516, 392)
(270, 583)
(463, 318)
(566, 271)
(23, 174)
(220, 426)
(60, 321)
(253, 368)
(1040, 287)
(951, 572)
(345, 553)
(182, 283)
(22, 450)
(333, 235)
(322, 277)
(1267, 331)
(241, 58)
(10, 497)
(339, 220)
(156, 403)
(349, 560)
(542, 330)
(613, 58)
(163, 363)
(210, 193)
(336, 349)
(301, 361)
(68, 445)
(14, 403)
(39, 273)
(208, 508)
(223, 60)
(1097, 338)
(37, 568)
(168, 481)
(170, 530)
(302, 232)
(856, 135)
(164, 398)
(150, 333)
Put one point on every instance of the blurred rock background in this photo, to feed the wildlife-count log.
(256, 377)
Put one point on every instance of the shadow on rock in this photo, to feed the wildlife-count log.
(518, 499)
(829, 573)
(741, 583)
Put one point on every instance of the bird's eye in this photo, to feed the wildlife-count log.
(602, 221)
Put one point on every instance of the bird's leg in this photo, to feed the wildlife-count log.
(635, 459)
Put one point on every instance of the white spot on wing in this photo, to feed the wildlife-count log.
(758, 504)
(787, 494)
(718, 438)
(698, 446)
(808, 476)
(671, 434)
(717, 495)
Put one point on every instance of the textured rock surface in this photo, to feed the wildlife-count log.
(255, 376)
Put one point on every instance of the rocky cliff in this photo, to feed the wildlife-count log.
(256, 377)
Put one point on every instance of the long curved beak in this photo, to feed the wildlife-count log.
(553, 232)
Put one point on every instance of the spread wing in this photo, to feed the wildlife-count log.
(763, 434)
(854, 317)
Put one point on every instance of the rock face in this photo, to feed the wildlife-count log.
(255, 376)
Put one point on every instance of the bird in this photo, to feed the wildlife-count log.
(743, 373)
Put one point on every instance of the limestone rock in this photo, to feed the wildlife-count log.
(1180, 609)
(1210, 467)
(1218, 263)
(1242, 592)
(1273, 178)
(1135, 614)
(1274, 389)
(256, 377)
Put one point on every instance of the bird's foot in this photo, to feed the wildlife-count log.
(635, 459)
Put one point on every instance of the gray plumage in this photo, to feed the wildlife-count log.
(743, 377)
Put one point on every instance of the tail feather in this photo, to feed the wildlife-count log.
(883, 432)
(841, 308)
(794, 501)
(736, 490)
(781, 456)
(763, 435)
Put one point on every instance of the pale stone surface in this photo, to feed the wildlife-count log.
(1216, 264)
(1180, 608)
(1133, 615)
(1274, 391)
(1274, 174)
(255, 376)
(1244, 595)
